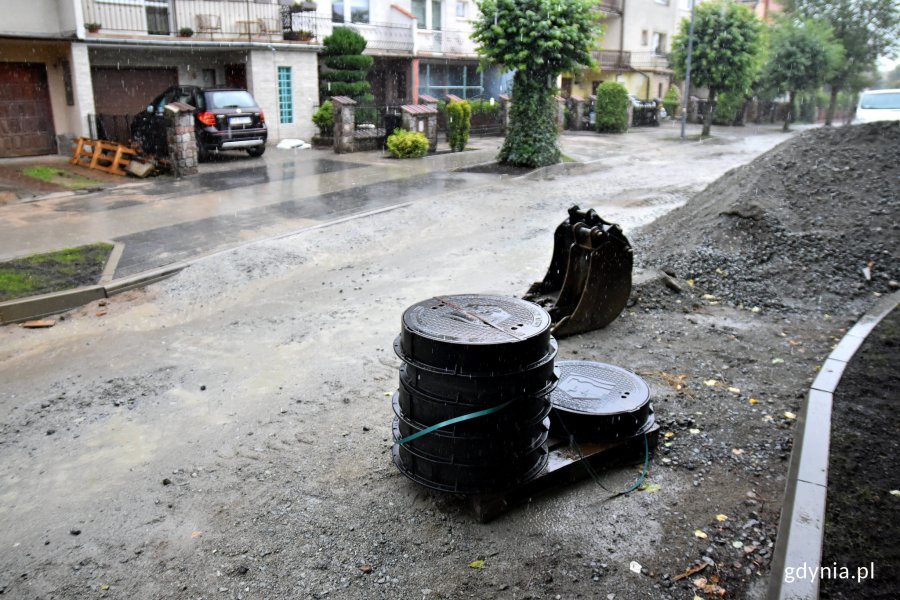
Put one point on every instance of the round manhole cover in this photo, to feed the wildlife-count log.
(473, 319)
(592, 388)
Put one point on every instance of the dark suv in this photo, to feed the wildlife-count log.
(225, 119)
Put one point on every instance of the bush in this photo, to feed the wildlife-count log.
(727, 107)
(484, 107)
(324, 119)
(459, 122)
(407, 144)
(672, 101)
(612, 108)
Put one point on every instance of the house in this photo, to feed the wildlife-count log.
(635, 48)
(64, 62)
(419, 47)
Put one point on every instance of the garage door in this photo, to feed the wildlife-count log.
(26, 119)
(128, 91)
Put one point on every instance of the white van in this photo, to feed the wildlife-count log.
(878, 105)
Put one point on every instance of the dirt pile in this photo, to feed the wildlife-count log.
(811, 223)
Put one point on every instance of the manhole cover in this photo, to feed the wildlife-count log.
(592, 388)
(476, 319)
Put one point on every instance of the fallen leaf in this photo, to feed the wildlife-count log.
(700, 534)
(700, 582)
(697, 598)
(650, 488)
(669, 435)
(635, 567)
(895, 492)
(737, 451)
(104, 587)
(476, 564)
(777, 361)
(101, 313)
(691, 571)
(734, 390)
(666, 461)
(721, 518)
(388, 394)
(196, 534)
(737, 544)
(690, 282)
(710, 382)
(365, 568)
(708, 297)
(789, 415)
(753, 401)
(694, 431)
(668, 444)
(755, 309)
(39, 324)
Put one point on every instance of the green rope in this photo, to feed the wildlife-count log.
(453, 421)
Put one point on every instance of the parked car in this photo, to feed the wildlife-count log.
(225, 119)
(878, 105)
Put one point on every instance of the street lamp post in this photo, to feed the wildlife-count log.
(687, 73)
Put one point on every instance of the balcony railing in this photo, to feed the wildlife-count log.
(611, 6)
(612, 59)
(445, 42)
(212, 20)
(650, 60)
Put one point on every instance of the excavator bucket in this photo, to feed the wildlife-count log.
(589, 279)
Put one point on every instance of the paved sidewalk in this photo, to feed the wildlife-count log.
(233, 200)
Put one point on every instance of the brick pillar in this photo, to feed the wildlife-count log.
(421, 118)
(180, 139)
(505, 102)
(344, 123)
(578, 112)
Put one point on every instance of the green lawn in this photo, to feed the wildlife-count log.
(52, 272)
(61, 177)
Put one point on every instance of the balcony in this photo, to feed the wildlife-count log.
(455, 42)
(650, 61)
(209, 20)
(612, 60)
(612, 7)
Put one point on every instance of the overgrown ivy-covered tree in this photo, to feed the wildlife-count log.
(866, 29)
(345, 67)
(802, 55)
(727, 50)
(538, 39)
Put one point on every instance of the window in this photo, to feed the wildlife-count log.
(435, 14)
(359, 11)
(644, 37)
(462, 9)
(353, 11)
(285, 95)
(418, 10)
(659, 44)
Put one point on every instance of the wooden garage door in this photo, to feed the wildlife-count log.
(128, 91)
(26, 119)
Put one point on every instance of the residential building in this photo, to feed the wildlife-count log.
(64, 61)
(419, 46)
(635, 48)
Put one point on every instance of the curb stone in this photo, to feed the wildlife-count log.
(801, 530)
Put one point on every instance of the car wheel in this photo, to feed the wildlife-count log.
(202, 153)
(256, 150)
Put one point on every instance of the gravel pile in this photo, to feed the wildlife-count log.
(812, 223)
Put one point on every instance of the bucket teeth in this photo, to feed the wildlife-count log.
(589, 280)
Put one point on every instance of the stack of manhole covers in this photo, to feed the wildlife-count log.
(597, 402)
(467, 354)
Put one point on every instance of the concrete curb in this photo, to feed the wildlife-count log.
(801, 530)
(36, 307)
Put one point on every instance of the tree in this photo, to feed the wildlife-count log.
(345, 67)
(538, 39)
(727, 50)
(803, 54)
(866, 29)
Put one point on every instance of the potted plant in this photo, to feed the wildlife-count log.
(93, 27)
(185, 32)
